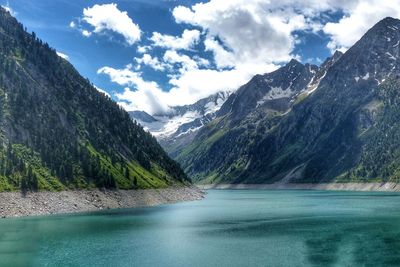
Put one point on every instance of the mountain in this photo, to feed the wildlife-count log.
(58, 132)
(255, 107)
(338, 122)
(180, 121)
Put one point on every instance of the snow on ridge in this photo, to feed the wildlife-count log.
(276, 93)
(190, 130)
(171, 125)
(167, 124)
(390, 56)
(212, 107)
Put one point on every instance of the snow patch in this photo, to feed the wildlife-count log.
(276, 93)
(390, 56)
(191, 130)
(167, 124)
(366, 76)
(213, 107)
(171, 125)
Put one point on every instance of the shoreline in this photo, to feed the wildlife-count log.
(378, 187)
(14, 204)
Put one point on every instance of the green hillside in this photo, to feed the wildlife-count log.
(58, 132)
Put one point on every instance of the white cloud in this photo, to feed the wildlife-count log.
(8, 8)
(86, 33)
(148, 96)
(222, 57)
(188, 39)
(359, 18)
(242, 32)
(150, 61)
(185, 62)
(170, 59)
(108, 17)
(62, 55)
(245, 37)
(143, 49)
(199, 83)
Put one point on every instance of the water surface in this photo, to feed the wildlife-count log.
(228, 228)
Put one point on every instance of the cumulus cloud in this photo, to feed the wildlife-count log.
(199, 83)
(108, 17)
(152, 62)
(188, 39)
(244, 31)
(8, 8)
(185, 62)
(86, 33)
(244, 37)
(143, 49)
(148, 96)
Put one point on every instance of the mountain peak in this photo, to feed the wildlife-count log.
(337, 55)
(387, 27)
(373, 58)
(294, 62)
(388, 21)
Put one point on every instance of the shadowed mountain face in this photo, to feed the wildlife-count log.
(307, 124)
(57, 131)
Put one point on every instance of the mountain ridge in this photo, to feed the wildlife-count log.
(316, 139)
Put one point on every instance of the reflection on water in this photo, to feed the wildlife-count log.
(228, 228)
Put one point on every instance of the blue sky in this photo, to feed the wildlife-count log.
(135, 50)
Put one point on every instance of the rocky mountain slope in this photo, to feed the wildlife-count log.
(301, 123)
(177, 127)
(56, 130)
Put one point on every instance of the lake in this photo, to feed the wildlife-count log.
(227, 228)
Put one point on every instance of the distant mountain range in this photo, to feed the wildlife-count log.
(180, 121)
(303, 123)
(58, 132)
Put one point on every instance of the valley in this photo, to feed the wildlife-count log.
(305, 123)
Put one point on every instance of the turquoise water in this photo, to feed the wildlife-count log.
(228, 228)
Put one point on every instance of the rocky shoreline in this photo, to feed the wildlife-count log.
(14, 204)
(384, 187)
